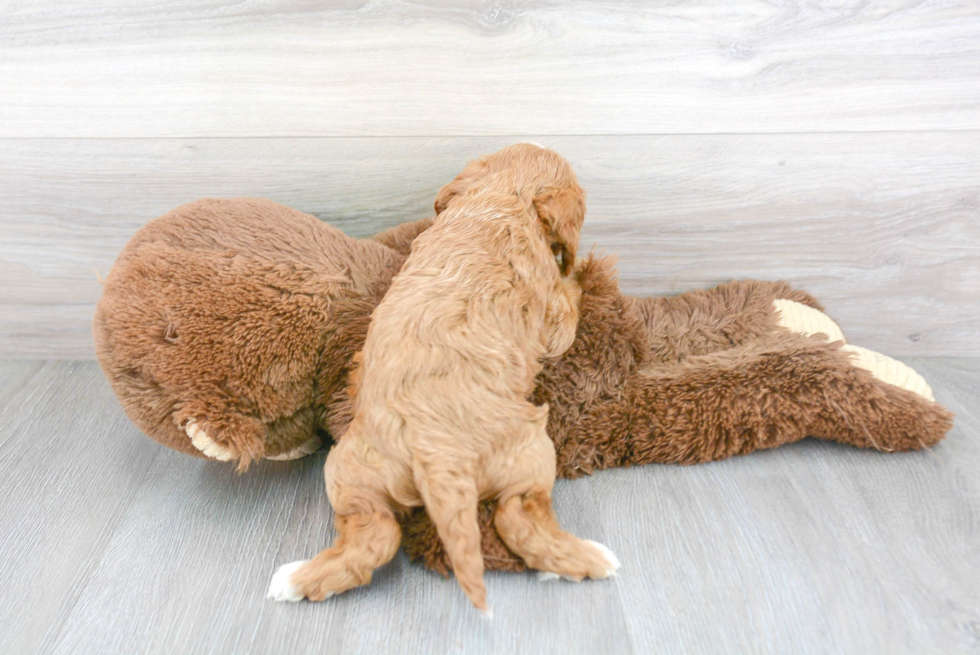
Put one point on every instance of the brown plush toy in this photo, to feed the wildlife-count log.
(227, 329)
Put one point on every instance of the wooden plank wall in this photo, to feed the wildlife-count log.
(833, 144)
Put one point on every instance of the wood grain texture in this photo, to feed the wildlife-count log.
(473, 67)
(112, 543)
(811, 548)
(60, 497)
(884, 228)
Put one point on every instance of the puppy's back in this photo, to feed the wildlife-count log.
(465, 316)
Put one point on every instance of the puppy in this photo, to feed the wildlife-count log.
(441, 416)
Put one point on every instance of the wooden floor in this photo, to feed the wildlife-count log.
(112, 544)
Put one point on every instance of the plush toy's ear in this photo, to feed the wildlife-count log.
(561, 211)
(473, 171)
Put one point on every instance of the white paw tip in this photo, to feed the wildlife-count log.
(609, 555)
(487, 614)
(204, 443)
(613, 561)
(281, 589)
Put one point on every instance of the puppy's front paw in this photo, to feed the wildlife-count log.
(207, 445)
(281, 588)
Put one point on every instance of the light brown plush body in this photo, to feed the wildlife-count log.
(441, 411)
(246, 316)
(219, 315)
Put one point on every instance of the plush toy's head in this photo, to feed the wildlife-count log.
(542, 178)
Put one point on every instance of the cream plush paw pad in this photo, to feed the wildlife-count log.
(548, 576)
(889, 370)
(206, 445)
(302, 450)
(806, 320)
(281, 589)
(809, 321)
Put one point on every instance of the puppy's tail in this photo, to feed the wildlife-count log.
(451, 499)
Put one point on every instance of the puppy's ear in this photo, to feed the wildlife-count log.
(473, 171)
(448, 192)
(561, 212)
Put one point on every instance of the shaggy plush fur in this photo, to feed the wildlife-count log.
(222, 313)
(245, 316)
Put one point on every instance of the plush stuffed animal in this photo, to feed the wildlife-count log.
(227, 329)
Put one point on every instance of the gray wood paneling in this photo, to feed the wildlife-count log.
(836, 145)
(114, 544)
(883, 227)
(350, 67)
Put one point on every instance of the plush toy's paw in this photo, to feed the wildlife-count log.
(281, 588)
(806, 320)
(306, 448)
(206, 444)
(607, 570)
(889, 370)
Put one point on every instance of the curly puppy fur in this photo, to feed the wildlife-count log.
(441, 416)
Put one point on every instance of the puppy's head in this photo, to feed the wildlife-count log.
(540, 176)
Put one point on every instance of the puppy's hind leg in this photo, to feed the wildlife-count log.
(451, 499)
(368, 539)
(526, 522)
(368, 534)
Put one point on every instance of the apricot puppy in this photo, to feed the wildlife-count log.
(441, 416)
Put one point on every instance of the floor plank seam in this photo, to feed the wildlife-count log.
(605, 539)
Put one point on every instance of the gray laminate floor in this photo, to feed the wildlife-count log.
(112, 544)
